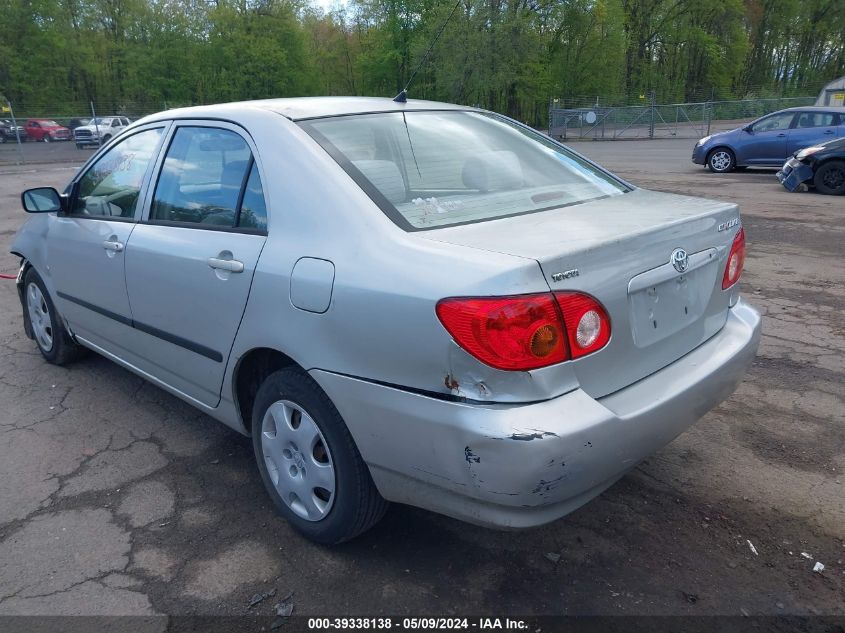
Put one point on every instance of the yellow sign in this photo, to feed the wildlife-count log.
(837, 99)
(5, 108)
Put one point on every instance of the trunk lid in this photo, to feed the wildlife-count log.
(618, 250)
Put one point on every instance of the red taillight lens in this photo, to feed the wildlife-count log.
(526, 331)
(587, 323)
(521, 332)
(736, 260)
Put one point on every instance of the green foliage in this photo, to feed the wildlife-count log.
(506, 55)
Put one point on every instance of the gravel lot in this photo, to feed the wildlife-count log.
(117, 498)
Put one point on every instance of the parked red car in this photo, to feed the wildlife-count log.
(46, 130)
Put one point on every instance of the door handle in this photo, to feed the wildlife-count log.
(232, 265)
(828, 131)
(110, 245)
(781, 134)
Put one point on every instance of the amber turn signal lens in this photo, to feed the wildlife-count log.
(544, 340)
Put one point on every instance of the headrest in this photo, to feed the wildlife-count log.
(493, 171)
(385, 175)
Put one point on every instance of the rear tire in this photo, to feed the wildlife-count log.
(721, 160)
(53, 340)
(830, 178)
(302, 449)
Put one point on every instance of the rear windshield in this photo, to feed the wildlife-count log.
(441, 168)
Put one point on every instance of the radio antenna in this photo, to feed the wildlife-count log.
(402, 97)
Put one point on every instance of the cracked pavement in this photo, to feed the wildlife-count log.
(116, 498)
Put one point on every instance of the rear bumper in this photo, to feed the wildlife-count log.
(513, 466)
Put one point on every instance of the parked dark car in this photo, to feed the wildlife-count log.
(77, 122)
(770, 140)
(821, 166)
(7, 132)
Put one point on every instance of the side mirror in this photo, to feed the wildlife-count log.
(41, 200)
(748, 129)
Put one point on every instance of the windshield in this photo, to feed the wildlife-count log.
(440, 168)
(48, 123)
(99, 121)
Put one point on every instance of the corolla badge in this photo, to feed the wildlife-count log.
(679, 259)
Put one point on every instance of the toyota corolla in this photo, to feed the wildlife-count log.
(413, 302)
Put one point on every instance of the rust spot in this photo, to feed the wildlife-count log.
(471, 457)
(451, 383)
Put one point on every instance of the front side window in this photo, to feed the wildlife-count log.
(433, 169)
(202, 178)
(111, 185)
(776, 122)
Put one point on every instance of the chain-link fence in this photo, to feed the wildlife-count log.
(675, 120)
(84, 124)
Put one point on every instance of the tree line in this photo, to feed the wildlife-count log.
(511, 56)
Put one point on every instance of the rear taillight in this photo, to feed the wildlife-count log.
(526, 331)
(587, 323)
(736, 259)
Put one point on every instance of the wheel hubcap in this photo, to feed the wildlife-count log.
(298, 460)
(720, 161)
(39, 317)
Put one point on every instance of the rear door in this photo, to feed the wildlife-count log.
(765, 143)
(86, 246)
(190, 262)
(812, 128)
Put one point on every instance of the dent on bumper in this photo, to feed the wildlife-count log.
(512, 466)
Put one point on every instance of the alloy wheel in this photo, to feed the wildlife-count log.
(720, 161)
(834, 178)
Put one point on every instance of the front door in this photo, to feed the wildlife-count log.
(86, 246)
(189, 264)
(765, 143)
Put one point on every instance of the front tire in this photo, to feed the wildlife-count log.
(53, 340)
(830, 178)
(308, 461)
(721, 160)
(46, 138)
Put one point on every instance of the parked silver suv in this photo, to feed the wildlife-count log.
(415, 302)
(99, 130)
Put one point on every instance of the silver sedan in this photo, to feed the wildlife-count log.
(413, 302)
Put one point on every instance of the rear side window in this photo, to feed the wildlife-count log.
(816, 119)
(253, 214)
(441, 168)
(206, 177)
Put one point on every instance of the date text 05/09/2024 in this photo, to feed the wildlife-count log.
(431, 623)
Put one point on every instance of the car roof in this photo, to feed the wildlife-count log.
(815, 109)
(298, 108)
